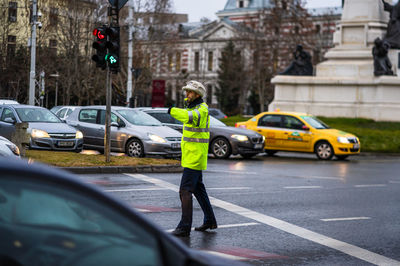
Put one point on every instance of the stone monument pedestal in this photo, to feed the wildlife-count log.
(345, 85)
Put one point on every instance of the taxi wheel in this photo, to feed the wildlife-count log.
(221, 148)
(324, 150)
(270, 152)
(134, 148)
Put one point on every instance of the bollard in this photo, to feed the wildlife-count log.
(21, 137)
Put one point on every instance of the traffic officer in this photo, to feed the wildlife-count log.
(194, 145)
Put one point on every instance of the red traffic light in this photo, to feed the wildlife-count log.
(99, 33)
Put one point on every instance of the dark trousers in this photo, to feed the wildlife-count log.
(192, 182)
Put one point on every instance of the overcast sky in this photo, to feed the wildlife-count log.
(196, 9)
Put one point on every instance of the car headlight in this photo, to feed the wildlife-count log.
(13, 148)
(37, 133)
(78, 135)
(240, 137)
(156, 138)
(263, 138)
(342, 140)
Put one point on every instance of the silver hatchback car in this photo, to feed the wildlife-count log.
(133, 132)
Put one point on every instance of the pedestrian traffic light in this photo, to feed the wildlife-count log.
(113, 47)
(100, 46)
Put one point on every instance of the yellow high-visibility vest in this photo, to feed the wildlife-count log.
(195, 135)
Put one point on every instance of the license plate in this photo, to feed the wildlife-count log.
(176, 145)
(258, 146)
(65, 143)
(356, 146)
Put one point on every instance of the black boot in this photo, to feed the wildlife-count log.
(180, 232)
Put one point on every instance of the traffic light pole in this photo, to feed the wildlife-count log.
(32, 73)
(107, 139)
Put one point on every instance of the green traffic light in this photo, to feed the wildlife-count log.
(111, 58)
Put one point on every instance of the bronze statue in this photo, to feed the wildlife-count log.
(382, 64)
(393, 28)
(301, 65)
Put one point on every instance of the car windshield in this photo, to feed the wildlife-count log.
(165, 118)
(37, 115)
(315, 122)
(216, 123)
(139, 118)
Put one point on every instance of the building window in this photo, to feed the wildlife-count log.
(209, 94)
(210, 61)
(178, 61)
(317, 29)
(11, 45)
(53, 16)
(241, 4)
(170, 63)
(196, 61)
(12, 11)
(284, 5)
(147, 60)
(296, 30)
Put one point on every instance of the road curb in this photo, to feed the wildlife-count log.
(163, 168)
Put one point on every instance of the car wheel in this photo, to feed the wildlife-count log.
(324, 150)
(248, 155)
(221, 148)
(270, 152)
(134, 148)
(341, 157)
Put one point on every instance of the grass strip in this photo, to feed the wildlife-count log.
(72, 159)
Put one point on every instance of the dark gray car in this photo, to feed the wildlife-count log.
(47, 131)
(224, 140)
(132, 132)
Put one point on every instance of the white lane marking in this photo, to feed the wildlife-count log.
(134, 189)
(345, 219)
(314, 177)
(231, 172)
(228, 188)
(394, 182)
(143, 210)
(344, 247)
(371, 185)
(226, 226)
(301, 187)
(227, 256)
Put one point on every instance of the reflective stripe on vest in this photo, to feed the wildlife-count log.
(190, 117)
(195, 140)
(199, 117)
(193, 129)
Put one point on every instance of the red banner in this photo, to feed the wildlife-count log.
(158, 95)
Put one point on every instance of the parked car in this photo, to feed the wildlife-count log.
(8, 101)
(64, 112)
(49, 217)
(133, 132)
(47, 131)
(300, 132)
(224, 140)
(218, 114)
(54, 109)
(8, 149)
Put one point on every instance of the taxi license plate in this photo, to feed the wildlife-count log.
(356, 146)
(176, 145)
(258, 146)
(65, 143)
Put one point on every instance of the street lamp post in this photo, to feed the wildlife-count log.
(56, 97)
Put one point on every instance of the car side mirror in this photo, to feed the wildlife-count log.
(304, 127)
(114, 124)
(10, 120)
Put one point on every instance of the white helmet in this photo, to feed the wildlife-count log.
(196, 87)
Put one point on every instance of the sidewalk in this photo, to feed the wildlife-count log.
(125, 169)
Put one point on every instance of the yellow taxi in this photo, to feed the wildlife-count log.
(300, 132)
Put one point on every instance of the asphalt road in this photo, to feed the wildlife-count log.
(284, 210)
